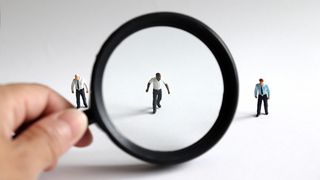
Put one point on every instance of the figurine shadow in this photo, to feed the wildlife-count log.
(244, 116)
(134, 112)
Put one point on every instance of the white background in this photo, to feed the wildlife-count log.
(48, 41)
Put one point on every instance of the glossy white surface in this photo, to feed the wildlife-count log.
(49, 41)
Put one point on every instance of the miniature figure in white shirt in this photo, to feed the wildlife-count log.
(157, 92)
(79, 85)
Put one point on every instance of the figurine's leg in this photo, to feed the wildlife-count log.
(159, 98)
(265, 102)
(78, 98)
(259, 105)
(83, 95)
(154, 99)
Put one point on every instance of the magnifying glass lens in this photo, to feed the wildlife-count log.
(157, 120)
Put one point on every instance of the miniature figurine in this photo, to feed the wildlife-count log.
(79, 84)
(157, 92)
(262, 92)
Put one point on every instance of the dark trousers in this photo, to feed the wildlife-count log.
(83, 95)
(157, 95)
(265, 103)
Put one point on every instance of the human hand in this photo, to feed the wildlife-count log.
(147, 90)
(55, 128)
(168, 92)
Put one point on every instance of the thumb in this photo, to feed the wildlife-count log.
(47, 139)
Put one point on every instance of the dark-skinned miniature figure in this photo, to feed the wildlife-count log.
(157, 92)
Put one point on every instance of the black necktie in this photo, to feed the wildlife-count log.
(261, 91)
(78, 85)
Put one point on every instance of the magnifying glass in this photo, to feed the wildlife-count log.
(199, 70)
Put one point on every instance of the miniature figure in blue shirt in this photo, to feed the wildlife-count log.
(262, 92)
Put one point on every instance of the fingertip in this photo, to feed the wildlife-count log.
(86, 139)
(77, 122)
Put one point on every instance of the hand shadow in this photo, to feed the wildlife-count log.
(106, 171)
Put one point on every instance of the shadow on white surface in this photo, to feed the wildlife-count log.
(244, 116)
(107, 171)
(133, 112)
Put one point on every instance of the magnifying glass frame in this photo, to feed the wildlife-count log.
(98, 113)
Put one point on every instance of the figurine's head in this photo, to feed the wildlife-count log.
(158, 76)
(261, 81)
(77, 77)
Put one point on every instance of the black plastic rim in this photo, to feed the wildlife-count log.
(98, 114)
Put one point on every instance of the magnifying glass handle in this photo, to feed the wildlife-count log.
(90, 116)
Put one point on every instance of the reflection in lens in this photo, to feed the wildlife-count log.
(194, 79)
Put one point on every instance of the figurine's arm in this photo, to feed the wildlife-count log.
(86, 86)
(167, 88)
(268, 91)
(256, 91)
(72, 86)
(148, 85)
